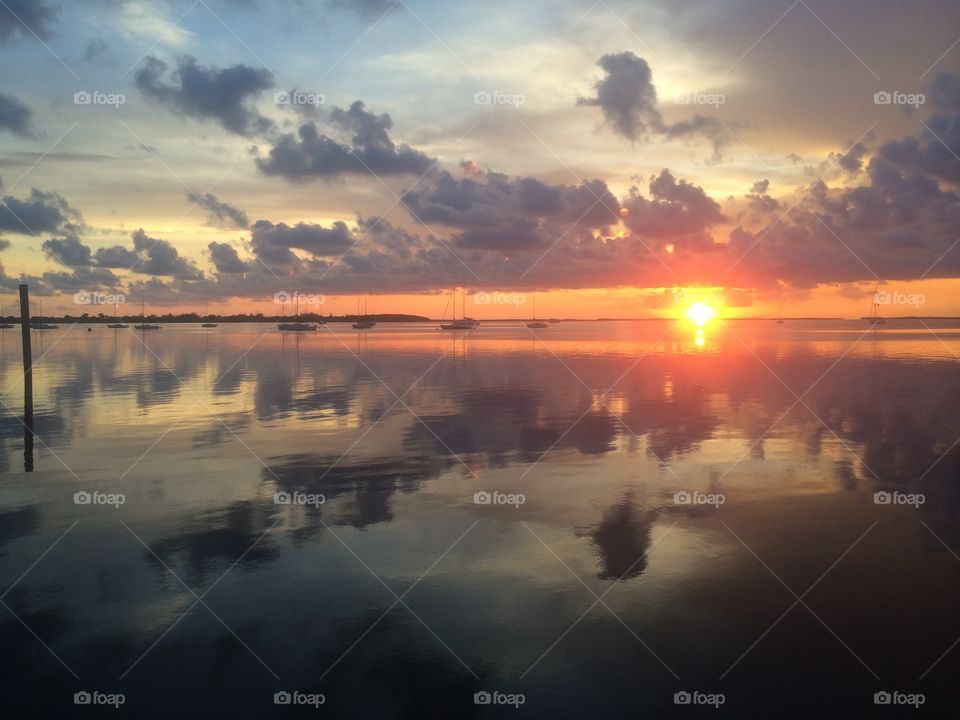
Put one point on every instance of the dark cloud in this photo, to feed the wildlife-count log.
(367, 10)
(14, 115)
(628, 99)
(852, 160)
(676, 212)
(69, 251)
(81, 278)
(116, 257)
(96, 50)
(159, 257)
(207, 93)
(27, 18)
(311, 154)
(226, 259)
(41, 212)
(273, 243)
(224, 212)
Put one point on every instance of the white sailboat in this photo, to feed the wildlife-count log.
(296, 326)
(3, 324)
(42, 325)
(118, 324)
(464, 323)
(143, 324)
(363, 324)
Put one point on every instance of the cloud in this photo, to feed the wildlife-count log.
(68, 251)
(27, 18)
(159, 257)
(226, 259)
(273, 243)
(207, 93)
(367, 10)
(41, 212)
(222, 211)
(14, 116)
(310, 154)
(628, 99)
(678, 213)
(116, 257)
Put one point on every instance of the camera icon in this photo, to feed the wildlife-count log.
(482, 498)
(81, 298)
(282, 297)
(682, 498)
(82, 98)
(882, 498)
(682, 698)
(282, 698)
(882, 698)
(482, 698)
(82, 498)
(881, 298)
(482, 98)
(882, 98)
(82, 698)
(282, 498)
(482, 298)
(684, 99)
(281, 98)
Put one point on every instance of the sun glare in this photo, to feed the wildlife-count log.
(700, 313)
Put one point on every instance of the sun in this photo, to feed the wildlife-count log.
(700, 313)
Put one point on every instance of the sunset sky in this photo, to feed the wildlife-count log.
(616, 158)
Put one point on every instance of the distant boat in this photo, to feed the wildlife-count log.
(4, 325)
(553, 322)
(363, 324)
(119, 325)
(874, 318)
(206, 313)
(464, 323)
(536, 323)
(42, 325)
(296, 326)
(144, 325)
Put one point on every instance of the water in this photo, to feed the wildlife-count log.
(784, 586)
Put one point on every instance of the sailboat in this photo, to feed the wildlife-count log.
(119, 324)
(536, 323)
(144, 325)
(363, 324)
(296, 326)
(463, 323)
(42, 325)
(207, 314)
(875, 319)
(4, 325)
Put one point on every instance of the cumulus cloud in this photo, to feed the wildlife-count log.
(223, 212)
(27, 18)
(14, 116)
(68, 251)
(226, 259)
(628, 99)
(273, 243)
(41, 212)
(116, 257)
(367, 148)
(159, 257)
(207, 93)
(676, 212)
(367, 10)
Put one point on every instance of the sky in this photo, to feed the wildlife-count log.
(610, 159)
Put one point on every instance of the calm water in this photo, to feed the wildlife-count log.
(600, 595)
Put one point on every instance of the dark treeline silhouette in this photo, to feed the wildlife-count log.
(197, 318)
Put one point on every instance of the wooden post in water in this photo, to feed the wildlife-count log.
(27, 379)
